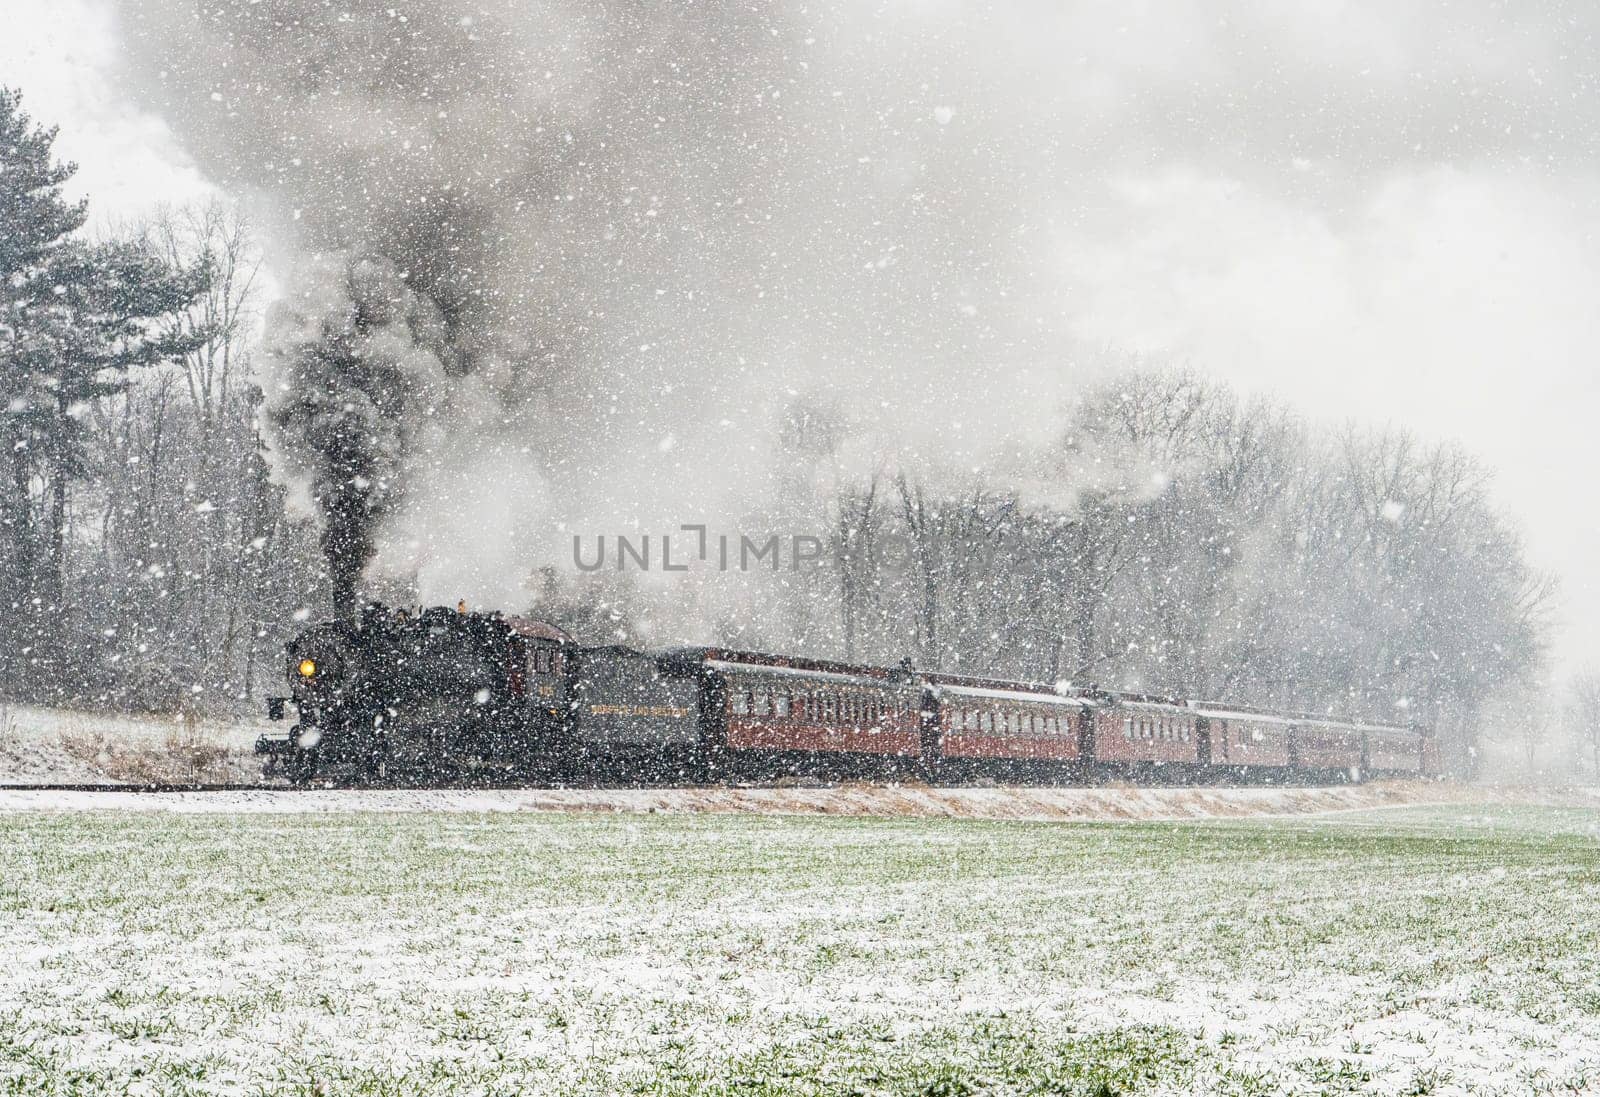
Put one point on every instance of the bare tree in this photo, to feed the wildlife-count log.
(857, 529)
(923, 522)
(1583, 711)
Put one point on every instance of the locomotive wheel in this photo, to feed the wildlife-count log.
(300, 768)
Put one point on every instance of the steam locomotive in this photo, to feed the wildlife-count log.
(444, 695)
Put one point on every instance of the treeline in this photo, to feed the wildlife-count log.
(1176, 539)
(146, 559)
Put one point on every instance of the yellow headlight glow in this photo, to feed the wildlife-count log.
(307, 668)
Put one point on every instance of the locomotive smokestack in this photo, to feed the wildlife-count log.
(344, 592)
(360, 352)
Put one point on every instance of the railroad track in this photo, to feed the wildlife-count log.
(81, 786)
(92, 786)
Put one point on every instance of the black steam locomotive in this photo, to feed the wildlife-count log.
(442, 695)
(445, 694)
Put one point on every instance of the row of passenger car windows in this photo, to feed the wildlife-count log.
(823, 706)
(1015, 723)
(1157, 727)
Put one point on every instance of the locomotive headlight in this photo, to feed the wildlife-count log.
(307, 668)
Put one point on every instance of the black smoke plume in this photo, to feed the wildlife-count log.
(562, 262)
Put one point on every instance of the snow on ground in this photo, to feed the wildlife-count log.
(39, 745)
(850, 800)
(1419, 950)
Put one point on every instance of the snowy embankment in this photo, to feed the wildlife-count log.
(1062, 804)
(60, 746)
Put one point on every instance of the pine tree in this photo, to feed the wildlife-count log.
(77, 319)
(36, 232)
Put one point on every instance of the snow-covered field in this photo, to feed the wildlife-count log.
(1409, 950)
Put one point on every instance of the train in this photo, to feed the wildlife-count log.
(448, 695)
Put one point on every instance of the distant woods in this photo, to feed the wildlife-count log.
(1176, 540)
(1170, 538)
(146, 560)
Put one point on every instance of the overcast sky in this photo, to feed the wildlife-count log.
(1390, 219)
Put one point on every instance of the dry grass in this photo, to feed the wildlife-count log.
(187, 754)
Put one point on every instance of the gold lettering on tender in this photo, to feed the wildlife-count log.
(668, 711)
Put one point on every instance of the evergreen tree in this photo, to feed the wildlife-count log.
(78, 317)
(36, 229)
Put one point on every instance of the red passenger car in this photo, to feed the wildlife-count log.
(770, 703)
(980, 719)
(1327, 745)
(1134, 728)
(1246, 739)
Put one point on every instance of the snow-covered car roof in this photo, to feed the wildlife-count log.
(843, 677)
(1041, 697)
(538, 630)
